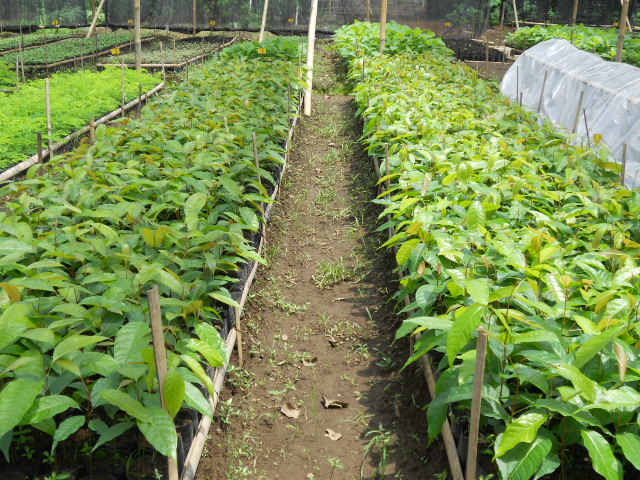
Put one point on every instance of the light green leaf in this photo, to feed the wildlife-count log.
(630, 445)
(523, 461)
(195, 399)
(192, 208)
(75, 343)
(160, 432)
(127, 404)
(211, 336)
(11, 245)
(225, 298)
(462, 329)
(426, 295)
(173, 390)
(406, 249)
(604, 462)
(48, 407)
(108, 434)
(67, 428)
(16, 399)
(522, 429)
(585, 386)
(170, 280)
(476, 216)
(478, 288)
(199, 372)
(591, 347)
(130, 340)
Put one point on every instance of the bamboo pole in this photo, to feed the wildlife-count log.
(310, 51)
(47, 95)
(476, 403)
(124, 94)
(137, 34)
(574, 14)
(39, 138)
(544, 84)
(157, 333)
(624, 15)
(195, 17)
(95, 19)
(515, 13)
(383, 24)
(263, 25)
(624, 163)
(577, 117)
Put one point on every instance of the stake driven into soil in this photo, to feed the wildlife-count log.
(320, 394)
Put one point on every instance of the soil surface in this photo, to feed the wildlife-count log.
(319, 327)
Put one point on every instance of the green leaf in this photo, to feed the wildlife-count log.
(130, 340)
(426, 295)
(16, 399)
(523, 461)
(591, 347)
(160, 431)
(604, 462)
(225, 298)
(630, 445)
(232, 187)
(48, 407)
(585, 386)
(67, 428)
(212, 337)
(195, 399)
(192, 207)
(127, 404)
(406, 249)
(170, 280)
(478, 288)
(462, 329)
(199, 372)
(173, 390)
(476, 216)
(110, 433)
(11, 245)
(522, 429)
(75, 343)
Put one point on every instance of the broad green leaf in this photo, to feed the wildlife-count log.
(478, 289)
(48, 407)
(523, 461)
(16, 399)
(199, 372)
(130, 340)
(74, 343)
(522, 429)
(173, 390)
(170, 280)
(154, 238)
(462, 329)
(426, 295)
(630, 445)
(211, 336)
(225, 298)
(195, 399)
(476, 216)
(11, 245)
(110, 433)
(591, 347)
(583, 384)
(604, 462)
(555, 286)
(192, 208)
(127, 404)
(406, 249)
(67, 428)
(210, 353)
(160, 431)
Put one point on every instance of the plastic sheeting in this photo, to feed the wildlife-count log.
(610, 95)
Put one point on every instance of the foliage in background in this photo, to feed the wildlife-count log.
(151, 53)
(273, 47)
(7, 75)
(38, 37)
(600, 41)
(363, 38)
(76, 98)
(172, 199)
(502, 223)
(71, 48)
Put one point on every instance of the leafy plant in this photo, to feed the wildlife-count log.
(7, 75)
(288, 48)
(76, 98)
(170, 198)
(152, 54)
(502, 223)
(596, 40)
(38, 37)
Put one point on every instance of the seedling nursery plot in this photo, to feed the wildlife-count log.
(368, 265)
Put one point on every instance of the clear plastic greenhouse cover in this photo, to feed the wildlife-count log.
(610, 94)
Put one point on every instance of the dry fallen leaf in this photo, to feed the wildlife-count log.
(290, 411)
(332, 435)
(310, 362)
(333, 403)
(332, 341)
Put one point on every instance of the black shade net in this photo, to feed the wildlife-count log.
(590, 12)
(33, 13)
(464, 18)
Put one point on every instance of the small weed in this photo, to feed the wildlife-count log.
(240, 379)
(335, 463)
(326, 196)
(226, 412)
(331, 273)
(381, 441)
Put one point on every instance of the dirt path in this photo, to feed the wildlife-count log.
(320, 325)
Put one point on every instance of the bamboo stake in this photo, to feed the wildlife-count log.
(164, 74)
(577, 117)
(263, 25)
(574, 14)
(624, 15)
(586, 127)
(157, 333)
(383, 24)
(195, 16)
(627, 18)
(124, 95)
(137, 34)
(17, 73)
(544, 84)
(310, 52)
(515, 13)
(139, 98)
(39, 147)
(47, 94)
(624, 163)
(476, 403)
(95, 19)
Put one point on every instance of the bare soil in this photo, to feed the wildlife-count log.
(320, 324)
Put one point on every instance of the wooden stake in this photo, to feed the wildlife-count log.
(574, 15)
(515, 13)
(577, 117)
(124, 94)
(39, 147)
(159, 351)
(263, 25)
(310, 52)
(139, 99)
(255, 153)
(624, 163)
(137, 34)
(47, 94)
(476, 403)
(164, 74)
(95, 19)
(386, 164)
(17, 73)
(544, 84)
(195, 16)
(92, 130)
(586, 126)
(383, 24)
(624, 15)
